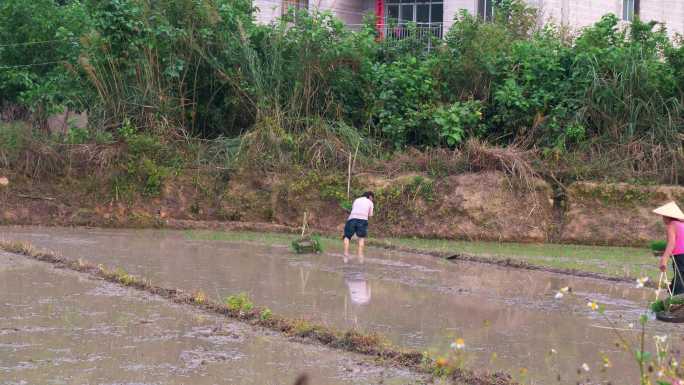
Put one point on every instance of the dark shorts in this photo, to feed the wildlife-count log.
(356, 226)
(677, 285)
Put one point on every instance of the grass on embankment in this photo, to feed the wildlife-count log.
(614, 261)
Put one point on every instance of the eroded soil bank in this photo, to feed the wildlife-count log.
(509, 318)
(61, 327)
(469, 206)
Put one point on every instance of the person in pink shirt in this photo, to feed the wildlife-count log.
(357, 223)
(674, 223)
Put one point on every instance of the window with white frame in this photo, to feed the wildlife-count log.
(296, 4)
(485, 9)
(630, 9)
(421, 12)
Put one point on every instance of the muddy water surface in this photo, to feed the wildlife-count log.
(61, 327)
(509, 318)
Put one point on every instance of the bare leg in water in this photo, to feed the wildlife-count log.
(346, 249)
(362, 243)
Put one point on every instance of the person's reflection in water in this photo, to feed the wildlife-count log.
(359, 292)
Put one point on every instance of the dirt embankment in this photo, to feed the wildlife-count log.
(472, 206)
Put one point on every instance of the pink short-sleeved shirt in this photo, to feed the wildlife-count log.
(362, 208)
(679, 238)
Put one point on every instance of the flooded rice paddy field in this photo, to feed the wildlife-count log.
(508, 318)
(61, 327)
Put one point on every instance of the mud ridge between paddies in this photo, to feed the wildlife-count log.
(504, 262)
(353, 341)
(507, 262)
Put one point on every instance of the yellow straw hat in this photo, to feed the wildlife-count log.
(670, 210)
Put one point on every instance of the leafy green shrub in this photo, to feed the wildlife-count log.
(458, 121)
(346, 205)
(404, 101)
(13, 137)
(148, 162)
(42, 75)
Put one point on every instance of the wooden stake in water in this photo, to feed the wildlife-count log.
(349, 167)
(304, 224)
(660, 284)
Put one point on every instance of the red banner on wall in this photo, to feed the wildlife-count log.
(380, 17)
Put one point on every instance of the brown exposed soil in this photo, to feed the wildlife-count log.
(470, 206)
(615, 214)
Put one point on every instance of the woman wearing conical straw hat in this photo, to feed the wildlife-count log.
(674, 223)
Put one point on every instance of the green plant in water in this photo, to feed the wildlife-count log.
(664, 304)
(310, 244)
(265, 314)
(240, 302)
(302, 328)
(658, 246)
(199, 297)
(123, 277)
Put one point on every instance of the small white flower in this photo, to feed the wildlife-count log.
(641, 282)
(585, 367)
(660, 339)
(630, 325)
(592, 305)
(554, 351)
(559, 295)
(660, 373)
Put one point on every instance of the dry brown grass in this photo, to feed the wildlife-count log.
(514, 162)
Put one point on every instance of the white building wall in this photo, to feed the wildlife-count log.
(453, 7)
(582, 13)
(671, 12)
(573, 13)
(268, 10)
(349, 11)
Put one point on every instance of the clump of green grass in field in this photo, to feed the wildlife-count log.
(658, 246)
(664, 304)
(199, 297)
(239, 303)
(265, 314)
(310, 244)
(302, 328)
(122, 276)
